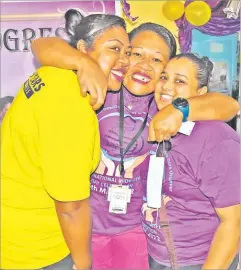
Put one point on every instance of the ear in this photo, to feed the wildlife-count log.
(202, 91)
(81, 46)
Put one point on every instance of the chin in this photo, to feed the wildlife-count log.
(138, 90)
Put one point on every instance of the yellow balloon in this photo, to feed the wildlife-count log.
(198, 13)
(173, 10)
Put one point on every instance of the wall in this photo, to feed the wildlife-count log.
(150, 11)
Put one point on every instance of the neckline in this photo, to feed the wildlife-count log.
(131, 99)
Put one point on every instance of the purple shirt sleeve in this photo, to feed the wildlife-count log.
(220, 174)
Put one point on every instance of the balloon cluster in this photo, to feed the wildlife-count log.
(197, 12)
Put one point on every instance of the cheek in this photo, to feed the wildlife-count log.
(158, 69)
(159, 86)
(183, 91)
(131, 68)
(107, 62)
(133, 61)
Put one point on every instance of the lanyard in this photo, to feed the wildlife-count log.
(162, 151)
(121, 131)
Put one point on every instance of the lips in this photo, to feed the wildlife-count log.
(141, 78)
(118, 74)
(166, 98)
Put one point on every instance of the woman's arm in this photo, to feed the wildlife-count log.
(225, 242)
(56, 52)
(76, 225)
(211, 106)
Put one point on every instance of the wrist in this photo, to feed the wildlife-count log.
(177, 112)
(81, 61)
(182, 105)
(84, 263)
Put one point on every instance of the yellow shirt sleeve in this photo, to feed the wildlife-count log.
(68, 135)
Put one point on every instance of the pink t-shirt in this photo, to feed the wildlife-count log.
(204, 169)
(107, 173)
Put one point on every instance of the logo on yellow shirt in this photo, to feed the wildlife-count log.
(32, 85)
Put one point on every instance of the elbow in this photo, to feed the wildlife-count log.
(34, 46)
(234, 109)
(36, 49)
(233, 227)
(236, 106)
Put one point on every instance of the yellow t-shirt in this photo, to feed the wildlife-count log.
(49, 147)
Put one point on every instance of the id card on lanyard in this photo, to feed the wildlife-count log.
(119, 195)
(155, 178)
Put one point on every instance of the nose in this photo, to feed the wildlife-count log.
(145, 65)
(167, 87)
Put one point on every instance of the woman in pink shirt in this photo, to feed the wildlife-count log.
(201, 182)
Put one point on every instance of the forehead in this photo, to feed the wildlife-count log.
(181, 66)
(152, 41)
(112, 34)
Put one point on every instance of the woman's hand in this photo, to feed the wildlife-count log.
(93, 81)
(165, 124)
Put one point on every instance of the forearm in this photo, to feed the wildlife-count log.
(76, 228)
(56, 52)
(224, 247)
(212, 106)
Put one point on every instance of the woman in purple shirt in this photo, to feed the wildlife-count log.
(118, 240)
(201, 183)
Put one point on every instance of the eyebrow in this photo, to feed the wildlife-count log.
(129, 47)
(116, 40)
(142, 49)
(181, 75)
(178, 74)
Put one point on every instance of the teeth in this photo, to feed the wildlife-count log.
(140, 78)
(117, 72)
(166, 97)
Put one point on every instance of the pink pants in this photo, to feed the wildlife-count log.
(122, 251)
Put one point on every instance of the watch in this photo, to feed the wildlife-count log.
(182, 105)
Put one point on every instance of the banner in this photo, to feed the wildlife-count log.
(22, 22)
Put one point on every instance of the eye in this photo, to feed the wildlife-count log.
(137, 54)
(163, 78)
(180, 81)
(157, 60)
(117, 49)
(128, 53)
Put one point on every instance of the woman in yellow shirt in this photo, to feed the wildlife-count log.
(50, 146)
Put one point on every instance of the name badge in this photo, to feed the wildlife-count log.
(154, 181)
(118, 196)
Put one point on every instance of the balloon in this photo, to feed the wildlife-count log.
(173, 10)
(198, 13)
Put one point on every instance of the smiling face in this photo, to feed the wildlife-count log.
(179, 79)
(111, 51)
(150, 54)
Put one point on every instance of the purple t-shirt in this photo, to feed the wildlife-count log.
(205, 174)
(107, 173)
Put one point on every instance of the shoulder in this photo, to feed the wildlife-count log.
(212, 132)
(206, 138)
(57, 82)
(53, 74)
(47, 70)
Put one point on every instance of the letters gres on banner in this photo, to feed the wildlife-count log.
(22, 22)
